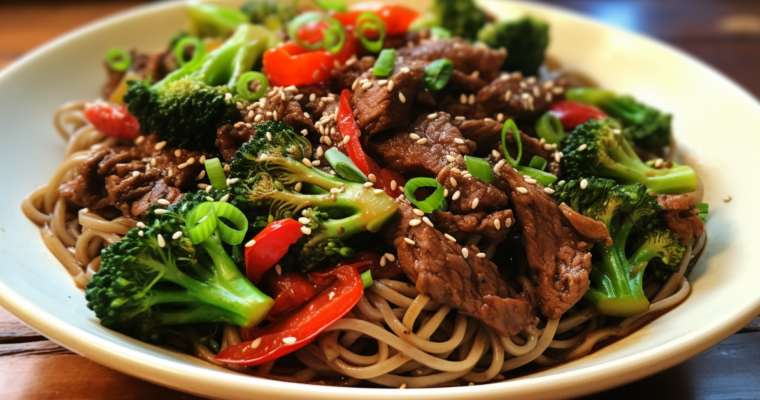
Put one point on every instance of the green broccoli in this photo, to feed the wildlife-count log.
(463, 18)
(630, 215)
(525, 39)
(272, 14)
(208, 20)
(598, 148)
(191, 103)
(150, 281)
(644, 126)
(272, 175)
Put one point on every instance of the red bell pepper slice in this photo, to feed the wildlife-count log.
(396, 17)
(289, 292)
(270, 246)
(112, 120)
(572, 113)
(300, 328)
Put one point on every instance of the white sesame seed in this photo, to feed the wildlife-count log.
(177, 153)
(328, 141)
(390, 257)
(465, 252)
(366, 85)
(475, 203)
(458, 141)
(497, 224)
(582, 147)
(182, 166)
(558, 156)
(353, 87)
(208, 188)
(225, 198)
(307, 162)
(405, 70)
(727, 199)
(177, 235)
(427, 221)
(289, 340)
(432, 116)
(471, 99)
(508, 95)
(316, 163)
(152, 162)
(368, 184)
(135, 173)
(250, 243)
(269, 136)
(475, 74)
(481, 255)
(414, 136)
(160, 145)
(508, 222)
(409, 241)
(141, 225)
(346, 140)
(450, 158)
(304, 132)
(415, 222)
(451, 238)
(140, 233)
(383, 261)
(372, 178)
(658, 163)
(584, 184)
(403, 386)
(463, 98)
(306, 230)
(256, 343)
(401, 96)
(304, 220)
(163, 202)
(550, 147)
(394, 185)
(139, 139)
(209, 198)
(202, 160)
(453, 181)
(456, 195)
(298, 186)
(161, 211)
(392, 84)
(201, 175)
(274, 114)
(548, 190)
(191, 161)
(445, 192)
(239, 105)
(522, 190)
(161, 241)
(536, 91)
(531, 181)
(422, 141)
(378, 191)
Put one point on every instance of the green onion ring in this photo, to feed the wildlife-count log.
(243, 85)
(434, 202)
(215, 174)
(344, 166)
(385, 62)
(479, 168)
(199, 50)
(510, 124)
(118, 59)
(234, 215)
(201, 222)
(437, 74)
(538, 163)
(549, 128)
(438, 32)
(367, 278)
(541, 177)
(368, 20)
(334, 35)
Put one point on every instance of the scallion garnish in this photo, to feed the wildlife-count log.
(438, 32)
(434, 202)
(549, 128)
(199, 50)
(541, 177)
(370, 21)
(243, 85)
(367, 278)
(437, 74)
(385, 62)
(479, 168)
(538, 163)
(216, 174)
(201, 222)
(703, 209)
(333, 36)
(332, 5)
(118, 59)
(228, 212)
(344, 166)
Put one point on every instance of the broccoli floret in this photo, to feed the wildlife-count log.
(272, 14)
(638, 241)
(271, 175)
(598, 148)
(148, 283)
(463, 18)
(187, 107)
(525, 39)
(208, 20)
(644, 126)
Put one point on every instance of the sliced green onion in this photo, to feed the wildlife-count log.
(332, 5)
(541, 177)
(479, 168)
(199, 50)
(704, 210)
(118, 59)
(510, 125)
(549, 128)
(243, 85)
(233, 214)
(368, 20)
(384, 64)
(201, 222)
(344, 166)
(438, 32)
(215, 174)
(332, 38)
(538, 163)
(437, 74)
(367, 278)
(434, 202)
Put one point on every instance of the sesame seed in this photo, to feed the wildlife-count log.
(378, 191)
(208, 188)
(316, 163)
(453, 181)
(161, 211)
(500, 117)
(394, 185)
(481, 255)
(191, 161)
(304, 220)
(617, 131)
(522, 190)
(161, 241)
(548, 190)
(531, 181)
(250, 243)
(410, 241)
(465, 252)
(382, 261)
(415, 222)
(353, 87)
(471, 99)
(584, 184)
(403, 386)
(456, 195)
(391, 84)
(550, 147)
(328, 141)
(432, 116)
(459, 141)
(274, 114)
(405, 70)
(366, 85)
(450, 158)
(177, 153)
(304, 132)
(459, 118)
(582, 147)
(160, 145)
(258, 118)
(141, 225)
(289, 340)
(658, 163)
(177, 235)
(463, 98)
(727, 199)
(382, 82)
(497, 224)
(475, 203)
(390, 257)
(558, 156)
(475, 74)
(225, 198)
(451, 238)
(401, 96)
(232, 181)
(182, 166)
(508, 222)
(163, 202)
(152, 162)
(368, 184)
(427, 221)
(372, 178)
(306, 230)
(298, 187)
(306, 115)
(445, 192)
(139, 139)
(202, 160)
(548, 97)
(508, 95)
(536, 91)
(209, 198)
(307, 162)
(422, 141)
(414, 136)
(141, 233)
(239, 105)
(135, 173)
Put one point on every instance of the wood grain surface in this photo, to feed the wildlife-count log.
(723, 33)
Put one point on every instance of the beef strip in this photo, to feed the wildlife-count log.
(133, 178)
(560, 262)
(467, 58)
(229, 138)
(472, 285)
(523, 100)
(461, 82)
(589, 229)
(280, 105)
(344, 76)
(463, 189)
(681, 217)
(463, 227)
(376, 108)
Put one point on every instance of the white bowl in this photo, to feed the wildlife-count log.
(716, 124)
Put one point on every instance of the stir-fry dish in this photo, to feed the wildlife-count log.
(368, 196)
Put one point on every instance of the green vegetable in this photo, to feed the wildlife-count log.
(244, 85)
(208, 20)
(149, 281)
(437, 74)
(438, 32)
(201, 222)
(118, 59)
(549, 128)
(333, 36)
(644, 126)
(367, 279)
(369, 21)
(541, 177)
(608, 154)
(199, 50)
(385, 62)
(332, 5)
(538, 162)
(462, 18)
(436, 201)
(188, 106)
(344, 166)
(215, 173)
(703, 209)
(479, 168)
(272, 14)
(639, 242)
(525, 39)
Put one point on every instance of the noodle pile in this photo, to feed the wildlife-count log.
(395, 336)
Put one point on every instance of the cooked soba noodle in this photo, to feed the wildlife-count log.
(395, 336)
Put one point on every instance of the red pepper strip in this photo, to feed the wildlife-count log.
(396, 17)
(572, 114)
(299, 329)
(289, 292)
(112, 120)
(271, 245)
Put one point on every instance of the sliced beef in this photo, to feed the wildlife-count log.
(587, 228)
(311, 96)
(280, 105)
(471, 284)
(463, 227)
(229, 138)
(409, 39)
(463, 83)
(681, 217)
(133, 178)
(560, 262)
(377, 108)
(464, 189)
(344, 76)
(524, 100)
(467, 58)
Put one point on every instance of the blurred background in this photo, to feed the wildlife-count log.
(722, 33)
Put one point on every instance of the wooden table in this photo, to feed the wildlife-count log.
(724, 33)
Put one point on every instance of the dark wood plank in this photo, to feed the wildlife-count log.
(14, 331)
